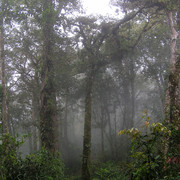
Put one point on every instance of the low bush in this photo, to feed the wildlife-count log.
(40, 166)
(108, 170)
(155, 151)
(10, 161)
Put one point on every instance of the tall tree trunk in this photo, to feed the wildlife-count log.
(65, 142)
(111, 138)
(36, 110)
(35, 140)
(35, 120)
(87, 127)
(3, 75)
(102, 133)
(172, 107)
(30, 139)
(115, 130)
(48, 112)
(127, 114)
(65, 120)
(132, 79)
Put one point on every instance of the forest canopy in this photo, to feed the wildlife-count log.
(89, 97)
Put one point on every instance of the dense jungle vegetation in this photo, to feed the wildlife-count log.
(89, 97)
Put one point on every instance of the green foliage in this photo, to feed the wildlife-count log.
(43, 165)
(10, 161)
(108, 170)
(155, 151)
(73, 177)
(172, 168)
(169, 4)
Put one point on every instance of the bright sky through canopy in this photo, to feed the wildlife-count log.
(98, 7)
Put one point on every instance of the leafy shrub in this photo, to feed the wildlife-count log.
(77, 177)
(9, 160)
(40, 166)
(154, 151)
(172, 167)
(108, 170)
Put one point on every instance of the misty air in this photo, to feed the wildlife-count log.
(89, 90)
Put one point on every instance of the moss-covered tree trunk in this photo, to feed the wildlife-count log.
(48, 113)
(3, 75)
(87, 127)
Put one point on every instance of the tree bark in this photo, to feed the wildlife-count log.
(111, 138)
(87, 127)
(3, 75)
(115, 130)
(48, 112)
(102, 133)
(132, 80)
(65, 120)
(35, 120)
(128, 113)
(172, 107)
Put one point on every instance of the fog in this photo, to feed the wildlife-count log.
(65, 72)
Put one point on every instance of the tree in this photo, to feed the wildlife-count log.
(172, 108)
(48, 114)
(3, 75)
(155, 59)
(165, 11)
(92, 39)
(48, 109)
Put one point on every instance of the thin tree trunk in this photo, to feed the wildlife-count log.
(102, 143)
(65, 142)
(111, 138)
(3, 75)
(87, 128)
(132, 89)
(65, 121)
(35, 120)
(30, 140)
(115, 129)
(35, 140)
(36, 110)
(102, 133)
(127, 114)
